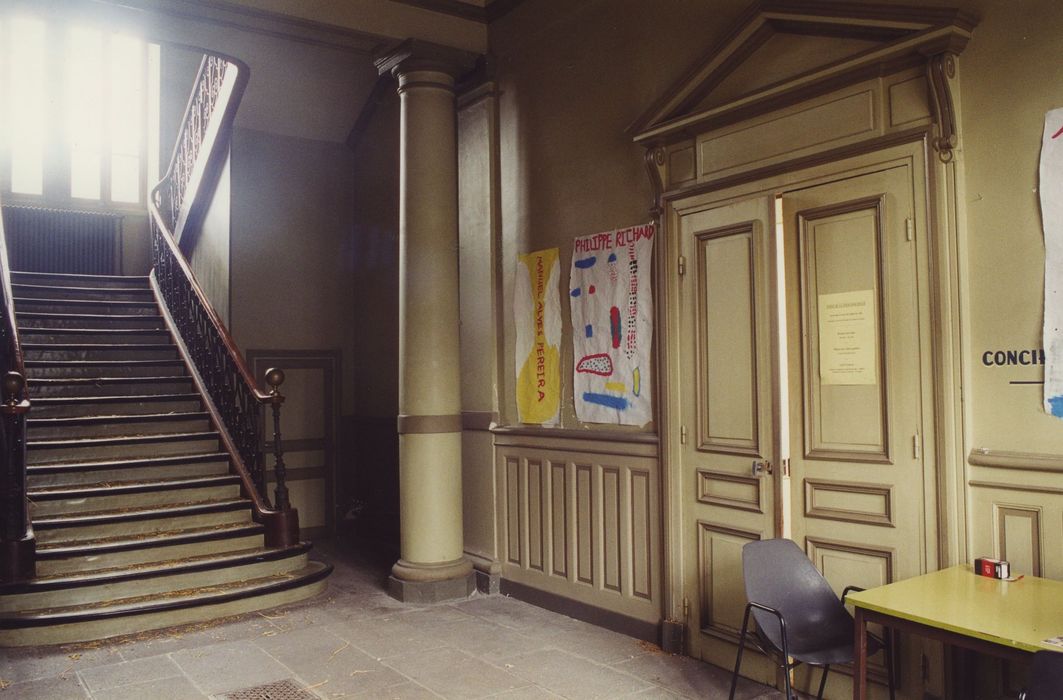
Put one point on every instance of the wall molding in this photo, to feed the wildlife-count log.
(885, 492)
(1028, 461)
(706, 477)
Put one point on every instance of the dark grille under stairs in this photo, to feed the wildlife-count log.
(140, 522)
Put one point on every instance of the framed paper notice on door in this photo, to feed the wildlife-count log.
(847, 338)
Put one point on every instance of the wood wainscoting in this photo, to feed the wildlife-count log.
(579, 524)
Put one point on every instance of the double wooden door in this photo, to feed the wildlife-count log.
(804, 404)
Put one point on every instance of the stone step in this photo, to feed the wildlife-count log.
(91, 525)
(114, 425)
(54, 319)
(31, 334)
(39, 291)
(85, 306)
(76, 473)
(104, 368)
(124, 446)
(71, 406)
(49, 501)
(88, 587)
(72, 623)
(127, 549)
(40, 387)
(54, 279)
(66, 352)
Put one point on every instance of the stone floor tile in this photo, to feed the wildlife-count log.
(687, 676)
(384, 637)
(599, 644)
(58, 688)
(531, 692)
(31, 663)
(166, 641)
(516, 614)
(487, 640)
(151, 668)
(572, 676)
(657, 693)
(455, 674)
(334, 667)
(405, 691)
(221, 668)
(179, 688)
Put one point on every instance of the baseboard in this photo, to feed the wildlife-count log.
(609, 619)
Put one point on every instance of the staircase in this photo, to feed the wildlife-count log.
(140, 520)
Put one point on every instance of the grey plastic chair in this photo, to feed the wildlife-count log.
(1046, 677)
(797, 614)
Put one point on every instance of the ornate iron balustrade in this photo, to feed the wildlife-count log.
(17, 545)
(204, 98)
(237, 404)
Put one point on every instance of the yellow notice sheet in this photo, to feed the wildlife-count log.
(847, 338)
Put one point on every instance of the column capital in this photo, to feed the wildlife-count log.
(416, 55)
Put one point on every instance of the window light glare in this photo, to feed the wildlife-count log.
(28, 114)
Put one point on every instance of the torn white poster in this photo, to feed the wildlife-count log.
(1051, 187)
(612, 325)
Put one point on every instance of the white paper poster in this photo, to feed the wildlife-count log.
(847, 338)
(537, 309)
(1051, 187)
(612, 325)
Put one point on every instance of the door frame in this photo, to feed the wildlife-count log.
(946, 531)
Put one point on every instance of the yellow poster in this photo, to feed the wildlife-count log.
(537, 307)
(847, 338)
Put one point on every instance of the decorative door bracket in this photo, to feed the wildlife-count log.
(655, 160)
(940, 72)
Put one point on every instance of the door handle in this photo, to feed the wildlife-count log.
(761, 467)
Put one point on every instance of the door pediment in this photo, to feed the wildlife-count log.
(782, 52)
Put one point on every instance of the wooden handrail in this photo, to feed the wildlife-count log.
(236, 403)
(17, 543)
(208, 308)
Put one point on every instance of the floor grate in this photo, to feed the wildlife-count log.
(279, 690)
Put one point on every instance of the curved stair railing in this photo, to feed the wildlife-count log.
(176, 208)
(18, 553)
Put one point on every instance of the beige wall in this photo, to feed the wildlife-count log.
(374, 314)
(1010, 78)
(572, 77)
(291, 244)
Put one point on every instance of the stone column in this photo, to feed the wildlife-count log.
(432, 566)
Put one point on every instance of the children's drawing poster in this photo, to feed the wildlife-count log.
(537, 306)
(612, 325)
(1051, 187)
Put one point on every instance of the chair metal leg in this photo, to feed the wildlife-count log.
(785, 661)
(823, 682)
(741, 648)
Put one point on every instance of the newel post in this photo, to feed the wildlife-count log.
(282, 523)
(274, 378)
(18, 549)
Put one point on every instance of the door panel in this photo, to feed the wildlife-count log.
(726, 415)
(857, 379)
(830, 377)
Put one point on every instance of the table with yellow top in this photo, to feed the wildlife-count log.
(1009, 619)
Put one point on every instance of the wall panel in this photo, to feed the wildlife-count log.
(580, 518)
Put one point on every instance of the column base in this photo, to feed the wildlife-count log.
(431, 583)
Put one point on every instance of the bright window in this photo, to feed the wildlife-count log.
(74, 103)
